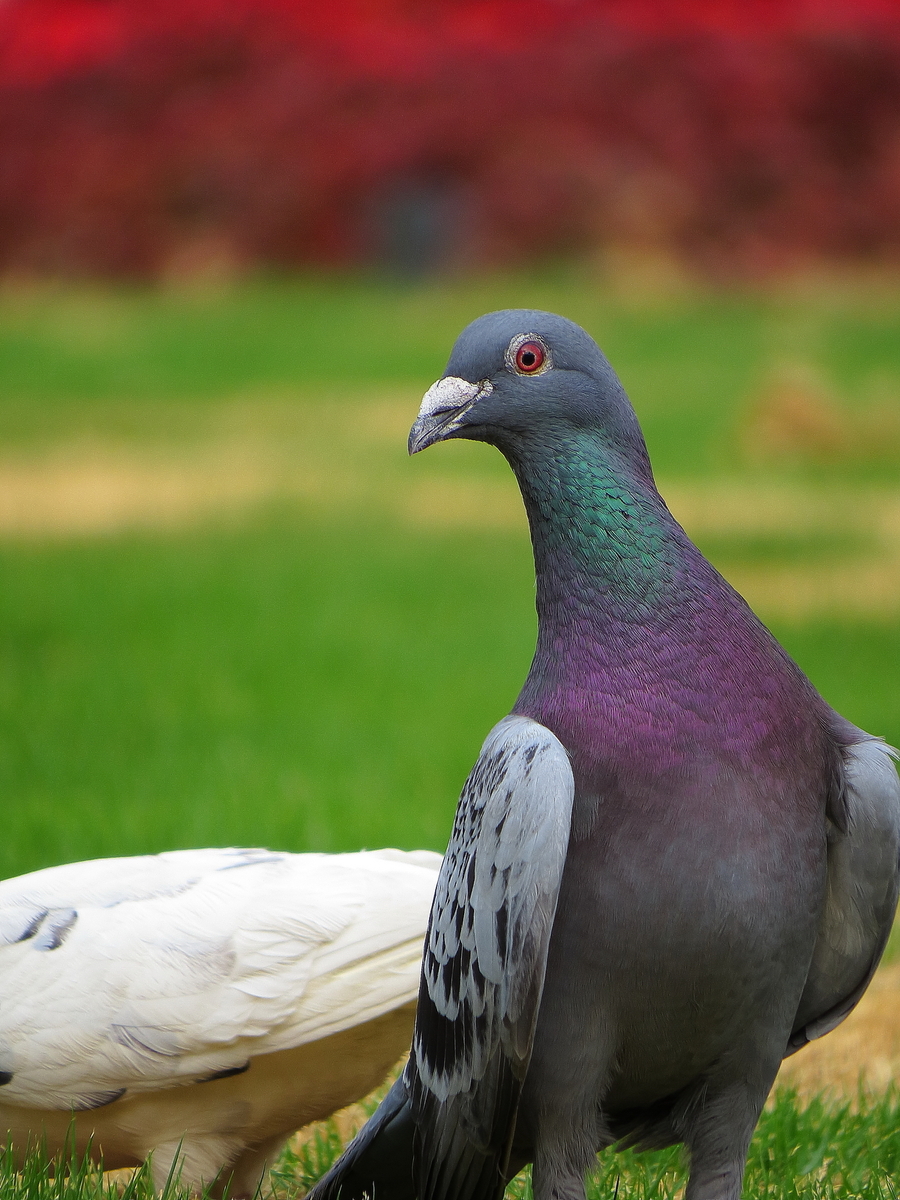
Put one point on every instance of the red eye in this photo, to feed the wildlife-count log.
(530, 357)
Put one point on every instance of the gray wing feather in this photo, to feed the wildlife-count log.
(861, 896)
(485, 957)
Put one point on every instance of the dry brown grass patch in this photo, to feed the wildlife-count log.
(345, 454)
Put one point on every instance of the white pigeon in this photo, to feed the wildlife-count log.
(198, 1007)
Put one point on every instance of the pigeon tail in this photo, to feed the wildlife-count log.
(378, 1162)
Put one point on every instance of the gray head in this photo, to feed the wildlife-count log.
(519, 377)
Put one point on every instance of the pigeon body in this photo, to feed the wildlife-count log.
(199, 1006)
(728, 872)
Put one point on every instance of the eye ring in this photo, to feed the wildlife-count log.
(528, 354)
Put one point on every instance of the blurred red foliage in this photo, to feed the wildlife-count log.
(140, 138)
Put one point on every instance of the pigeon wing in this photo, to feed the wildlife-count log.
(485, 958)
(861, 895)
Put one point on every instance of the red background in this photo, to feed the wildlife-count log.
(143, 136)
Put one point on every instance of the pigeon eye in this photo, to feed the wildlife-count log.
(529, 358)
(528, 354)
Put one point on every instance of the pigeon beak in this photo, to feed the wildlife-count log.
(443, 408)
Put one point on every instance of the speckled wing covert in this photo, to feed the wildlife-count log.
(861, 894)
(485, 958)
(134, 974)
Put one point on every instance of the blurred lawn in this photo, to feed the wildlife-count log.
(310, 655)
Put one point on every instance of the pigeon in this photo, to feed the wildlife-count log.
(672, 865)
(197, 1007)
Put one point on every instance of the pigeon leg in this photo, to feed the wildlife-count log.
(248, 1173)
(565, 1146)
(191, 1162)
(555, 1180)
(560, 1165)
(560, 1124)
(718, 1139)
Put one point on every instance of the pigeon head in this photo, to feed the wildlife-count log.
(519, 377)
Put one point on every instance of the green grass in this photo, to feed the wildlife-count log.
(309, 686)
(815, 1151)
(304, 684)
(690, 362)
(820, 1150)
(72, 1178)
(321, 675)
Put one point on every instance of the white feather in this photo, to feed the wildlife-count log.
(153, 972)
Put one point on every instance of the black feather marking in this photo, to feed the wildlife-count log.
(470, 875)
(5, 1078)
(97, 1100)
(32, 927)
(225, 1073)
(252, 862)
(56, 929)
(450, 976)
(501, 926)
(154, 894)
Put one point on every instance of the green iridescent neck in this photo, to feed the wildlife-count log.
(597, 525)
